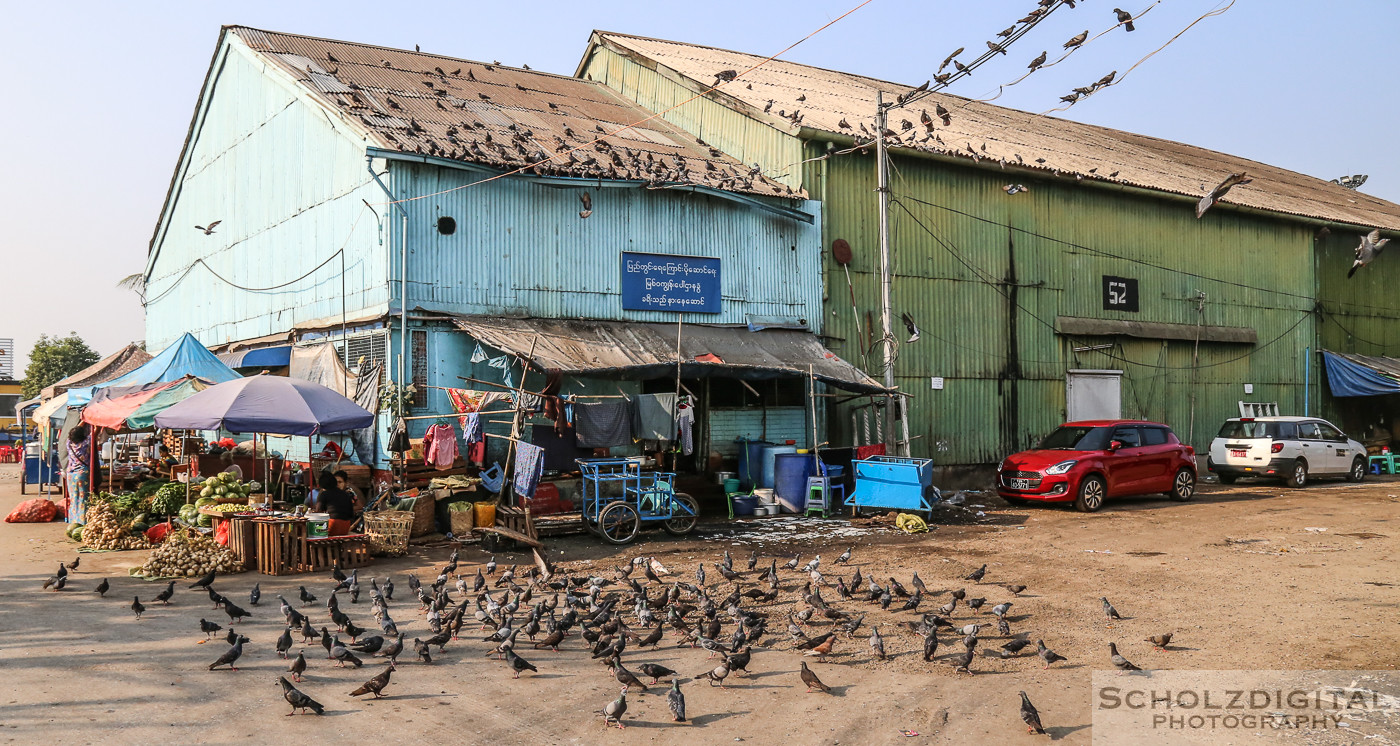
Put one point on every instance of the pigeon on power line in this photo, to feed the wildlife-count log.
(1215, 195)
(1366, 252)
(1124, 17)
(1030, 716)
(913, 337)
(1077, 40)
(1038, 61)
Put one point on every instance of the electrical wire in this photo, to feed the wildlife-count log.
(1215, 12)
(663, 112)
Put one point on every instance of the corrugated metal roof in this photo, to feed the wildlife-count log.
(117, 364)
(1001, 135)
(635, 350)
(498, 116)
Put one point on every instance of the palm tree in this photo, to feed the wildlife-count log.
(135, 283)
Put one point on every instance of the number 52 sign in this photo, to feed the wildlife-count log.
(1120, 294)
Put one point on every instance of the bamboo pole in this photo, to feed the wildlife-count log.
(509, 477)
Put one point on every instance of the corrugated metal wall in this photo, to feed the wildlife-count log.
(986, 297)
(287, 188)
(743, 138)
(521, 248)
(1359, 314)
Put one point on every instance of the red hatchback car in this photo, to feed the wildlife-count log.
(1088, 462)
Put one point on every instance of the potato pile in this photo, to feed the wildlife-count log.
(104, 531)
(184, 556)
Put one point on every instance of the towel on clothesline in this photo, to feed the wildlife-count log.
(529, 467)
(466, 401)
(440, 446)
(607, 424)
(654, 417)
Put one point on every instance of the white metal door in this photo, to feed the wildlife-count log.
(1093, 394)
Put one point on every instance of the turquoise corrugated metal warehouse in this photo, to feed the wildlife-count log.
(1016, 289)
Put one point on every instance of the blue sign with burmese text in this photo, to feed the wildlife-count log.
(664, 282)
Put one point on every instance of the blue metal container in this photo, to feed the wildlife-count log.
(769, 460)
(892, 483)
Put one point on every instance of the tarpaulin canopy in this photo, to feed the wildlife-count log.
(186, 357)
(262, 357)
(119, 363)
(112, 412)
(1349, 374)
(266, 404)
(54, 410)
(144, 416)
(634, 350)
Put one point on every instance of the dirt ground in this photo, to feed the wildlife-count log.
(1245, 576)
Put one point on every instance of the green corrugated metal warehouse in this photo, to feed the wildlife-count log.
(1055, 270)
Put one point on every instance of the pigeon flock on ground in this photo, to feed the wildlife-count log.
(729, 614)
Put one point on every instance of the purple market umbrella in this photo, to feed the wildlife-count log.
(267, 404)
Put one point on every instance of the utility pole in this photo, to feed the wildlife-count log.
(894, 405)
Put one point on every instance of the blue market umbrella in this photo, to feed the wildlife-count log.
(267, 404)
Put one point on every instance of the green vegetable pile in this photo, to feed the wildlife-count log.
(168, 499)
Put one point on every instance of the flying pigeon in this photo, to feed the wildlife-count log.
(913, 337)
(1216, 194)
(208, 229)
(1369, 248)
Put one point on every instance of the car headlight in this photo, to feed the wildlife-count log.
(1061, 467)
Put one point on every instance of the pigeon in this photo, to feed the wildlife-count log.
(423, 650)
(1108, 610)
(306, 598)
(943, 114)
(1216, 194)
(1001, 609)
(208, 628)
(1366, 252)
(1014, 647)
(655, 671)
(165, 595)
(234, 613)
(975, 603)
(298, 700)
(204, 582)
(1038, 61)
(930, 646)
(977, 575)
(810, 679)
(231, 656)
(370, 645)
(518, 664)
(102, 588)
(342, 655)
(614, 710)
(913, 337)
(298, 666)
(948, 608)
(284, 642)
(1048, 655)
(232, 636)
(1030, 715)
(823, 649)
(962, 662)
(1077, 40)
(913, 603)
(676, 701)
(375, 685)
(843, 558)
(74, 564)
(255, 594)
(1003, 628)
(1159, 642)
(877, 643)
(137, 607)
(392, 650)
(1119, 662)
(587, 210)
(624, 677)
(716, 675)
(1125, 18)
(960, 594)
(1015, 589)
(208, 229)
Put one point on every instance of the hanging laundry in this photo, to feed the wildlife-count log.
(475, 439)
(607, 424)
(478, 354)
(465, 401)
(440, 446)
(654, 417)
(685, 423)
(398, 440)
(529, 467)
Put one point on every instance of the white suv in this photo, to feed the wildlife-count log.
(1289, 448)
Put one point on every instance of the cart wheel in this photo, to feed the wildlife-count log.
(683, 523)
(618, 523)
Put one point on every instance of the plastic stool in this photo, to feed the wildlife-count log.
(817, 490)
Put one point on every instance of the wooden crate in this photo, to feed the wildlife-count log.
(243, 541)
(346, 552)
(281, 545)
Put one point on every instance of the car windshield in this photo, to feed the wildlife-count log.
(1075, 438)
(1252, 429)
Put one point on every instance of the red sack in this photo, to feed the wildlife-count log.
(156, 534)
(221, 533)
(37, 510)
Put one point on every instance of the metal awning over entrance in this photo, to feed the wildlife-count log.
(641, 350)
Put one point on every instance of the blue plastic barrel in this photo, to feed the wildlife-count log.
(790, 472)
(750, 460)
(770, 455)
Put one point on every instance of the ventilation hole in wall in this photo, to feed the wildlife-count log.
(446, 226)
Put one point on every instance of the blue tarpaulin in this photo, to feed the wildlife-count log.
(1361, 375)
(186, 357)
(263, 357)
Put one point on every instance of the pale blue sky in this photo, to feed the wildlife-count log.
(98, 96)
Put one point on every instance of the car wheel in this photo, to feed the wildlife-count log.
(1299, 476)
(1227, 478)
(1358, 470)
(1183, 486)
(1092, 492)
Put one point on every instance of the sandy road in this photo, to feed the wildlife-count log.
(1241, 575)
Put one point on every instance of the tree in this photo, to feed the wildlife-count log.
(54, 359)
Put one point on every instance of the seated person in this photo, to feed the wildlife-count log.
(337, 503)
(163, 461)
(342, 480)
(226, 459)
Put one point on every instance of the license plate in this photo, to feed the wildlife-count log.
(1238, 453)
(1020, 484)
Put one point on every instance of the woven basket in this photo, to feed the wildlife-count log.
(424, 514)
(388, 531)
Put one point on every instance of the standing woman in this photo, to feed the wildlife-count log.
(79, 454)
